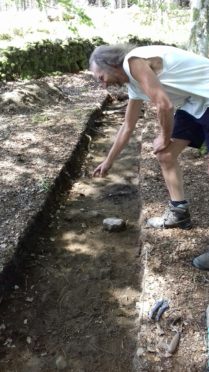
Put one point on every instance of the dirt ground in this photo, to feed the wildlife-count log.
(82, 301)
(41, 122)
(167, 256)
(74, 307)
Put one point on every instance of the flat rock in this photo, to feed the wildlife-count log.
(114, 224)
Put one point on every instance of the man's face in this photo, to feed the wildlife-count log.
(107, 78)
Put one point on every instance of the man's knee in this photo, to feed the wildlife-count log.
(165, 158)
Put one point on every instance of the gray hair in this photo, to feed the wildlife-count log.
(106, 56)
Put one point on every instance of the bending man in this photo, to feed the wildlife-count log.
(169, 77)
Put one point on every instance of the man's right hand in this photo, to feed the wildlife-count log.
(102, 169)
(159, 144)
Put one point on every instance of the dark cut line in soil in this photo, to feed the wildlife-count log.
(75, 309)
(13, 270)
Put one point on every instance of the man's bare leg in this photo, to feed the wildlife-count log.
(176, 215)
(171, 170)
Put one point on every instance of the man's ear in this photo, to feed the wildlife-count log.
(112, 65)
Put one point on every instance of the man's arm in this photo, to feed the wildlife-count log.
(122, 137)
(151, 86)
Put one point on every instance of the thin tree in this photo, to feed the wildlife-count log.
(199, 34)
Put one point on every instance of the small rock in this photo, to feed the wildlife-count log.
(2, 327)
(8, 342)
(61, 362)
(114, 224)
(29, 299)
(44, 354)
(28, 339)
(140, 351)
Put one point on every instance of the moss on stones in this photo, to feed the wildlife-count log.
(51, 57)
(42, 58)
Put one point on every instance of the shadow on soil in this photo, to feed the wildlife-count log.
(73, 306)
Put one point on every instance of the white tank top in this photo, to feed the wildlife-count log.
(185, 77)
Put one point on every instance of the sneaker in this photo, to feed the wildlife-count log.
(201, 262)
(173, 217)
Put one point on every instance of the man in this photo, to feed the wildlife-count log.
(170, 78)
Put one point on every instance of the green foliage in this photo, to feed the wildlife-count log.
(71, 11)
(44, 30)
(143, 42)
(203, 150)
(41, 4)
(18, 32)
(5, 37)
(37, 118)
(83, 17)
(67, 17)
(45, 184)
(132, 2)
(44, 58)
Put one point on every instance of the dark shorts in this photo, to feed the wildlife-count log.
(188, 127)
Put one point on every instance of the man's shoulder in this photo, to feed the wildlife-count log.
(147, 51)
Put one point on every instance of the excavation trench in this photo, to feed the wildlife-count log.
(76, 297)
(73, 306)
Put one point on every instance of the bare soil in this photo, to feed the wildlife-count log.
(83, 299)
(73, 307)
(167, 256)
(42, 123)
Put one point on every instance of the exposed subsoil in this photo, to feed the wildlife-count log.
(42, 122)
(74, 307)
(83, 300)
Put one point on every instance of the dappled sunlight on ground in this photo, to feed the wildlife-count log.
(80, 283)
(38, 133)
(167, 257)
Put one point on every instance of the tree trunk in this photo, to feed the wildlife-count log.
(113, 4)
(199, 34)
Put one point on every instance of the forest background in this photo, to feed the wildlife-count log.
(183, 22)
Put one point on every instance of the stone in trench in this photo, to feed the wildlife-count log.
(61, 362)
(114, 224)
